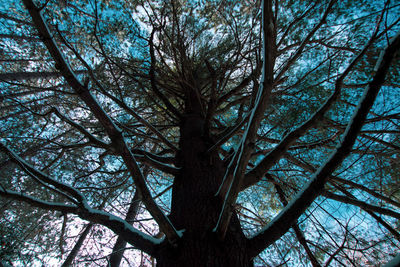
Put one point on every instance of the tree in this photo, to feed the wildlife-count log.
(248, 132)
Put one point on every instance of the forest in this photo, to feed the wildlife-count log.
(199, 133)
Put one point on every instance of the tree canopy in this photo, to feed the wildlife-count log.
(130, 129)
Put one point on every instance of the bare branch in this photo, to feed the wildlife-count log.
(81, 129)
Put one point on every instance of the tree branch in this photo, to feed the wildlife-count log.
(42, 177)
(299, 234)
(361, 204)
(299, 50)
(255, 174)
(152, 162)
(232, 181)
(138, 239)
(81, 129)
(112, 130)
(285, 219)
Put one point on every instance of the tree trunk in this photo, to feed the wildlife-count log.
(195, 208)
(120, 244)
(71, 256)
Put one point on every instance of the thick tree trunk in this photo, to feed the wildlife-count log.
(197, 252)
(195, 209)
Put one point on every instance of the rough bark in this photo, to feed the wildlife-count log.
(196, 185)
